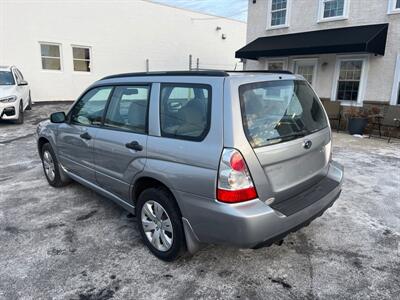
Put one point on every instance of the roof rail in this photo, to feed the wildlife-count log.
(212, 73)
(262, 71)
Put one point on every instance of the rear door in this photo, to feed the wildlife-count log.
(120, 145)
(288, 130)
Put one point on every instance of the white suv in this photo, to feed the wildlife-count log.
(15, 95)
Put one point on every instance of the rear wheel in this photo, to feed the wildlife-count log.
(20, 119)
(51, 167)
(160, 223)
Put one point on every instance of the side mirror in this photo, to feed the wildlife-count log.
(23, 82)
(58, 117)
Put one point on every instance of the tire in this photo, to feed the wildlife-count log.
(51, 167)
(169, 242)
(20, 119)
(29, 107)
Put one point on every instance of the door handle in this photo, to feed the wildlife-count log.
(86, 136)
(134, 145)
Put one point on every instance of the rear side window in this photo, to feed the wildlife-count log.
(128, 108)
(185, 111)
(277, 111)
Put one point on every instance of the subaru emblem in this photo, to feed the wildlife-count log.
(307, 144)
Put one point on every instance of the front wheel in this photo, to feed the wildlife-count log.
(20, 119)
(160, 223)
(29, 107)
(51, 167)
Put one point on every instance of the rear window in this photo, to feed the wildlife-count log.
(278, 111)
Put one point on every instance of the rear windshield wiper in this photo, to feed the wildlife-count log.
(288, 136)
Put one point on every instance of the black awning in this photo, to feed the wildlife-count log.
(367, 39)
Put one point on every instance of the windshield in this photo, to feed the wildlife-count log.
(6, 78)
(277, 111)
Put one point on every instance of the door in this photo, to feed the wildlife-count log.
(286, 125)
(120, 145)
(307, 68)
(22, 90)
(75, 137)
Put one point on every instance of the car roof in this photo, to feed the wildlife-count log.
(5, 68)
(206, 73)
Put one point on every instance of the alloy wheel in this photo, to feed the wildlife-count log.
(48, 165)
(157, 225)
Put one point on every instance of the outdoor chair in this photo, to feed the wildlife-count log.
(333, 109)
(388, 122)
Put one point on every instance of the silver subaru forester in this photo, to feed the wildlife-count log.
(236, 158)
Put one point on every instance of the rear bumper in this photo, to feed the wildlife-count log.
(253, 223)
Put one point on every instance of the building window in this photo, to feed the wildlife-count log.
(81, 57)
(394, 7)
(278, 13)
(349, 80)
(276, 65)
(330, 10)
(51, 56)
(395, 97)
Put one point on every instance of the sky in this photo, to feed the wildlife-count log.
(235, 9)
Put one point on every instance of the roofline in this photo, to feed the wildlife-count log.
(205, 73)
(194, 11)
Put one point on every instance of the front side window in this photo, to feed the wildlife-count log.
(185, 111)
(348, 85)
(128, 108)
(90, 108)
(398, 4)
(278, 13)
(81, 58)
(51, 56)
(278, 111)
(6, 78)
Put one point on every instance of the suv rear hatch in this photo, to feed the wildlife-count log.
(287, 128)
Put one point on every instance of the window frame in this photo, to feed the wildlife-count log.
(392, 7)
(287, 19)
(90, 58)
(60, 58)
(321, 7)
(206, 86)
(283, 60)
(104, 126)
(69, 114)
(396, 83)
(363, 79)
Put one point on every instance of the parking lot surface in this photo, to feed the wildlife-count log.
(71, 243)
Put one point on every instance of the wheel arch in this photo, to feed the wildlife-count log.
(40, 143)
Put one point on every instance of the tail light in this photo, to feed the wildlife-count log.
(234, 181)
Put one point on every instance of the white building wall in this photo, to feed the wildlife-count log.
(121, 34)
(304, 17)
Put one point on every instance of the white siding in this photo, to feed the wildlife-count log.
(304, 17)
(121, 34)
